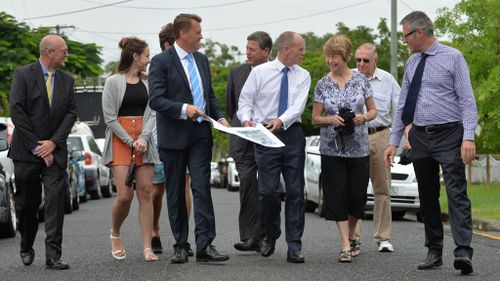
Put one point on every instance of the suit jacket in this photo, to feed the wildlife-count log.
(34, 119)
(169, 90)
(238, 147)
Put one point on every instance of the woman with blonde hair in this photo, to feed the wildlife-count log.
(338, 107)
(130, 122)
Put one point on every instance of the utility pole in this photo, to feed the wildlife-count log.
(59, 27)
(394, 39)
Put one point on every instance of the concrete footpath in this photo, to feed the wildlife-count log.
(483, 227)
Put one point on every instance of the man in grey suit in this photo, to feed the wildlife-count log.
(181, 93)
(43, 110)
(252, 230)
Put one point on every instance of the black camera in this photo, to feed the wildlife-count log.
(348, 115)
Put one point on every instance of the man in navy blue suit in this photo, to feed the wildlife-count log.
(181, 92)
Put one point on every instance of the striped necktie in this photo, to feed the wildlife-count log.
(195, 85)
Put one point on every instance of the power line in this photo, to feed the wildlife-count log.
(406, 5)
(177, 8)
(77, 11)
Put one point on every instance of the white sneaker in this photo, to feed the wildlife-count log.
(385, 246)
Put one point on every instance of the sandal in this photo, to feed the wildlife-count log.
(345, 256)
(117, 254)
(149, 255)
(355, 247)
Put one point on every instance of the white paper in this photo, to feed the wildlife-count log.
(258, 134)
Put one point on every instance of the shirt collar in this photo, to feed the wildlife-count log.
(279, 65)
(180, 51)
(45, 70)
(433, 49)
(376, 74)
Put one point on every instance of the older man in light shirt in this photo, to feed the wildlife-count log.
(386, 93)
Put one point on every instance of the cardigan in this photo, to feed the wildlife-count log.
(112, 97)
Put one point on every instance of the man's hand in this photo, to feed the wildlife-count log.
(140, 146)
(248, 123)
(468, 151)
(224, 123)
(193, 112)
(274, 125)
(407, 145)
(49, 160)
(389, 154)
(44, 148)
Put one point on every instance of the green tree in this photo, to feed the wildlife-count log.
(473, 27)
(220, 54)
(19, 46)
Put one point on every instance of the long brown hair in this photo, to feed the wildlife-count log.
(129, 46)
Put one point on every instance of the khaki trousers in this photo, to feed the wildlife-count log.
(380, 177)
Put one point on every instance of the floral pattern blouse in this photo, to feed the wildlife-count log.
(353, 96)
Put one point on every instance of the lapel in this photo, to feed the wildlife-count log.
(178, 65)
(40, 81)
(58, 88)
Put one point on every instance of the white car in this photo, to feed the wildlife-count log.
(233, 180)
(404, 189)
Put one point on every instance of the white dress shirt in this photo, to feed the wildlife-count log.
(386, 95)
(260, 95)
(184, 61)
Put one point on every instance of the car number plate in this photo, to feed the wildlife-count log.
(394, 190)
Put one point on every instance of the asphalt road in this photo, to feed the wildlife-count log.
(87, 250)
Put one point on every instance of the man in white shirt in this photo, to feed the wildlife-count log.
(275, 95)
(386, 93)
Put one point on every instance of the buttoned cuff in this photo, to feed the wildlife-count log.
(183, 112)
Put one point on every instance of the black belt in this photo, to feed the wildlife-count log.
(291, 126)
(431, 129)
(377, 129)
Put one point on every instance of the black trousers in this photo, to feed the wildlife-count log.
(431, 149)
(29, 179)
(289, 161)
(250, 217)
(196, 156)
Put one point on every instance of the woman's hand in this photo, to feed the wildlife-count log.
(336, 120)
(140, 146)
(359, 119)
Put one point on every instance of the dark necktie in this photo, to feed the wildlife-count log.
(283, 104)
(413, 91)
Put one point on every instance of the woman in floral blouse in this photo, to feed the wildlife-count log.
(340, 99)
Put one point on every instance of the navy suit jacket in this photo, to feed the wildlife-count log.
(34, 119)
(169, 90)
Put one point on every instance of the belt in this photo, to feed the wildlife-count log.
(377, 129)
(291, 126)
(431, 129)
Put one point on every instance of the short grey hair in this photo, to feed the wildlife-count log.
(369, 47)
(418, 19)
(285, 38)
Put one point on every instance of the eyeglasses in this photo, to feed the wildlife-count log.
(409, 33)
(359, 60)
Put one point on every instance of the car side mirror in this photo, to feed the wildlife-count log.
(4, 145)
(77, 155)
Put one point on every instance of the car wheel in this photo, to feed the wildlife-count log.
(68, 203)
(106, 189)
(76, 202)
(398, 215)
(310, 206)
(94, 194)
(10, 228)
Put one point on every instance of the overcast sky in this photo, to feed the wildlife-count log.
(225, 21)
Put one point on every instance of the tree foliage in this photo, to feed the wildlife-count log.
(19, 46)
(473, 27)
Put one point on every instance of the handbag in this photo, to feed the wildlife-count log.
(129, 180)
(405, 156)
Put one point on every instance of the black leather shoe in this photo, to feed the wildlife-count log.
(267, 247)
(432, 260)
(248, 245)
(210, 254)
(464, 264)
(56, 264)
(295, 256)
(180, 256)
(156, 245)
(28, 256)
(190, 252)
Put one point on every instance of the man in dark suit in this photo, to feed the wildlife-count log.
(43, 110)
(181, 92)
(252, 230)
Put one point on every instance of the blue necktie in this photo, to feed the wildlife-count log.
(195, 85)
(283, 104)
(413, 91)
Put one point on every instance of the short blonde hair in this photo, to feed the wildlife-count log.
(338, 45)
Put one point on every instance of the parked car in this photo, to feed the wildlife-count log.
(404, 189)
(214, 175)
(233, 180)
(8, 219)
(76, 178)
(97, 176)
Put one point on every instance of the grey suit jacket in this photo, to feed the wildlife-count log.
(238, 147)
(34, 119)
(169, 90)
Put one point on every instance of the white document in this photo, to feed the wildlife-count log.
(258, 134)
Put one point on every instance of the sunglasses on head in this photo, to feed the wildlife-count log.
(362, 60)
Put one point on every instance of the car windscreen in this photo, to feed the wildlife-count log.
(75, 144)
